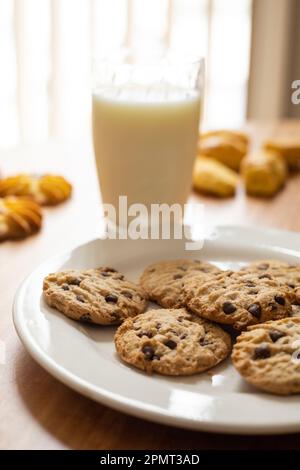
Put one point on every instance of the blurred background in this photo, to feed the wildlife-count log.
(252, 49)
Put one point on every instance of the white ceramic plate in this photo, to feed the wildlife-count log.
(84, 358)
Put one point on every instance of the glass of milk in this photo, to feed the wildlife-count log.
(145, 128)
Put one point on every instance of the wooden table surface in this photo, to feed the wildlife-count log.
(37, 411)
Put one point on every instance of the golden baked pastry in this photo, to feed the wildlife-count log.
(45, 190)
(264, 173)
(228, 147)
(212, 177)
(287, 147)
(242, 137)
(19, 217)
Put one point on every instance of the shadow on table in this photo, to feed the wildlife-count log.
(80, 423)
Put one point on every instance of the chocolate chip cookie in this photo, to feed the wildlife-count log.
(99, 296)
(268, 356)
(239, 298)
(163, 281)
(171, 342)
(284, 273)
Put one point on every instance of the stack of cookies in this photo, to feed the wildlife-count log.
(199, 311)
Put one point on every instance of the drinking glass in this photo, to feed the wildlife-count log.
(145, 127)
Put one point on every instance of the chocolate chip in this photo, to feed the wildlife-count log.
(265, 276)
(279, 299)
(203, 270)
(74, 282)
(292, 286)
(262, 352)
(275, 335)
(110, 270)
(120, 277)
(65, 287)
(273, 307)
(111, 298)
(170, 344)
(80, 298)
(127, 294)
(158, 325)
(250, 284)
(204, 342)
(177, 276)
(145, 333)
(183, 336)
(182, 268)
(86, 317)
(115, 315)
(228, 308)
(263, 266)
(148, 334)
(255, 310)
(148, 352)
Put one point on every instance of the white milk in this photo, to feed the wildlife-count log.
(145, 143)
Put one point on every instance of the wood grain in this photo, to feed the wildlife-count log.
(38, 412)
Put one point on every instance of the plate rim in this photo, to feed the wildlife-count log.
(131, 406)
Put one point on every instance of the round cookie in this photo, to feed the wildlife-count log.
(283, 272)
(163, 281)
(171, 342)
(239, 298)
(99, 296)
(268, 356)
